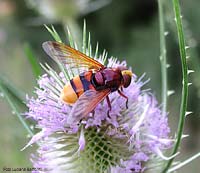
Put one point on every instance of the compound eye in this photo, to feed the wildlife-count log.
(127, 80)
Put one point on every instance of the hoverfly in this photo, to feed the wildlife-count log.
(86, 90)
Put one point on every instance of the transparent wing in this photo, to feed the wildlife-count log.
(86, 104)
(69, 56)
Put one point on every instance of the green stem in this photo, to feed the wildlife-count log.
(163, 56)
(183, 107)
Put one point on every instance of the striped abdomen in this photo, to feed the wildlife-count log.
(76, 87)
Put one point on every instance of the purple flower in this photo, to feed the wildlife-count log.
(128, 140)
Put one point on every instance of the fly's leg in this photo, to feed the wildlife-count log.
(108, 101)
(93, 112)
(121, 94)
(109, 106)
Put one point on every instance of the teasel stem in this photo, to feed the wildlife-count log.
(163, 58)
(184, 98)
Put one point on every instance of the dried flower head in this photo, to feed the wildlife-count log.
(127, 140)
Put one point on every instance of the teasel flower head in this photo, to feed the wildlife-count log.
(128, 140)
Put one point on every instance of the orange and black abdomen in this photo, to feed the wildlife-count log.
(76, 87)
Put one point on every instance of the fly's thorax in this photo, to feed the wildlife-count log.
(107, 78)
(98, 81)
(99, 78)
(113, 78)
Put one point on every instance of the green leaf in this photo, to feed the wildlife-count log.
(15, 92)
(15, 109)
(32, 59)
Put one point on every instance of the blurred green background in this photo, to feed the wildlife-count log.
(127, 29)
